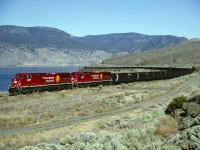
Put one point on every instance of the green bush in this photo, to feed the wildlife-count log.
(175, 104)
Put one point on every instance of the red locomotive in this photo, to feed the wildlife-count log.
(35, 82)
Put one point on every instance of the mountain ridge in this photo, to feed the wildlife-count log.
(29, 42)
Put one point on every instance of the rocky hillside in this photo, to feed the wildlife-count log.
(50, 46)
(185, 54)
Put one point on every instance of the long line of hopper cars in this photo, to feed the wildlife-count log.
(24, 83)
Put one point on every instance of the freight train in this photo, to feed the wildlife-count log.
(24, 83)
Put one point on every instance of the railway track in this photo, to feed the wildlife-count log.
(54, 125)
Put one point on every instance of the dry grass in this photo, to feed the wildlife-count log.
(166, 126)
(17, 121)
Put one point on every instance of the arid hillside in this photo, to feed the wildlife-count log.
(186, 54)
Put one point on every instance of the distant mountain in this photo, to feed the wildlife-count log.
(131, 42)
(38, 37)
(51, 46)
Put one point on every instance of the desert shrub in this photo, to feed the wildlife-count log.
(99, 109)
(44, 146)
(101, 124)
(124, 86)
(88, 140)
(49, 146)
(70, 106)
(83, 112)
(67, 140)
(142, 139)
(175, 104)
(116, 95)
(197, 69)
(48, 114)
(62, 94)
(86, 137)
(78, 146)
(166, 126)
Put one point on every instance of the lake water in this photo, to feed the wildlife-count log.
(7, 73)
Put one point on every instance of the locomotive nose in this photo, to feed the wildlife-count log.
(15, 82)
(14, 87)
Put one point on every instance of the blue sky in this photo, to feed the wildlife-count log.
(92, 17)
